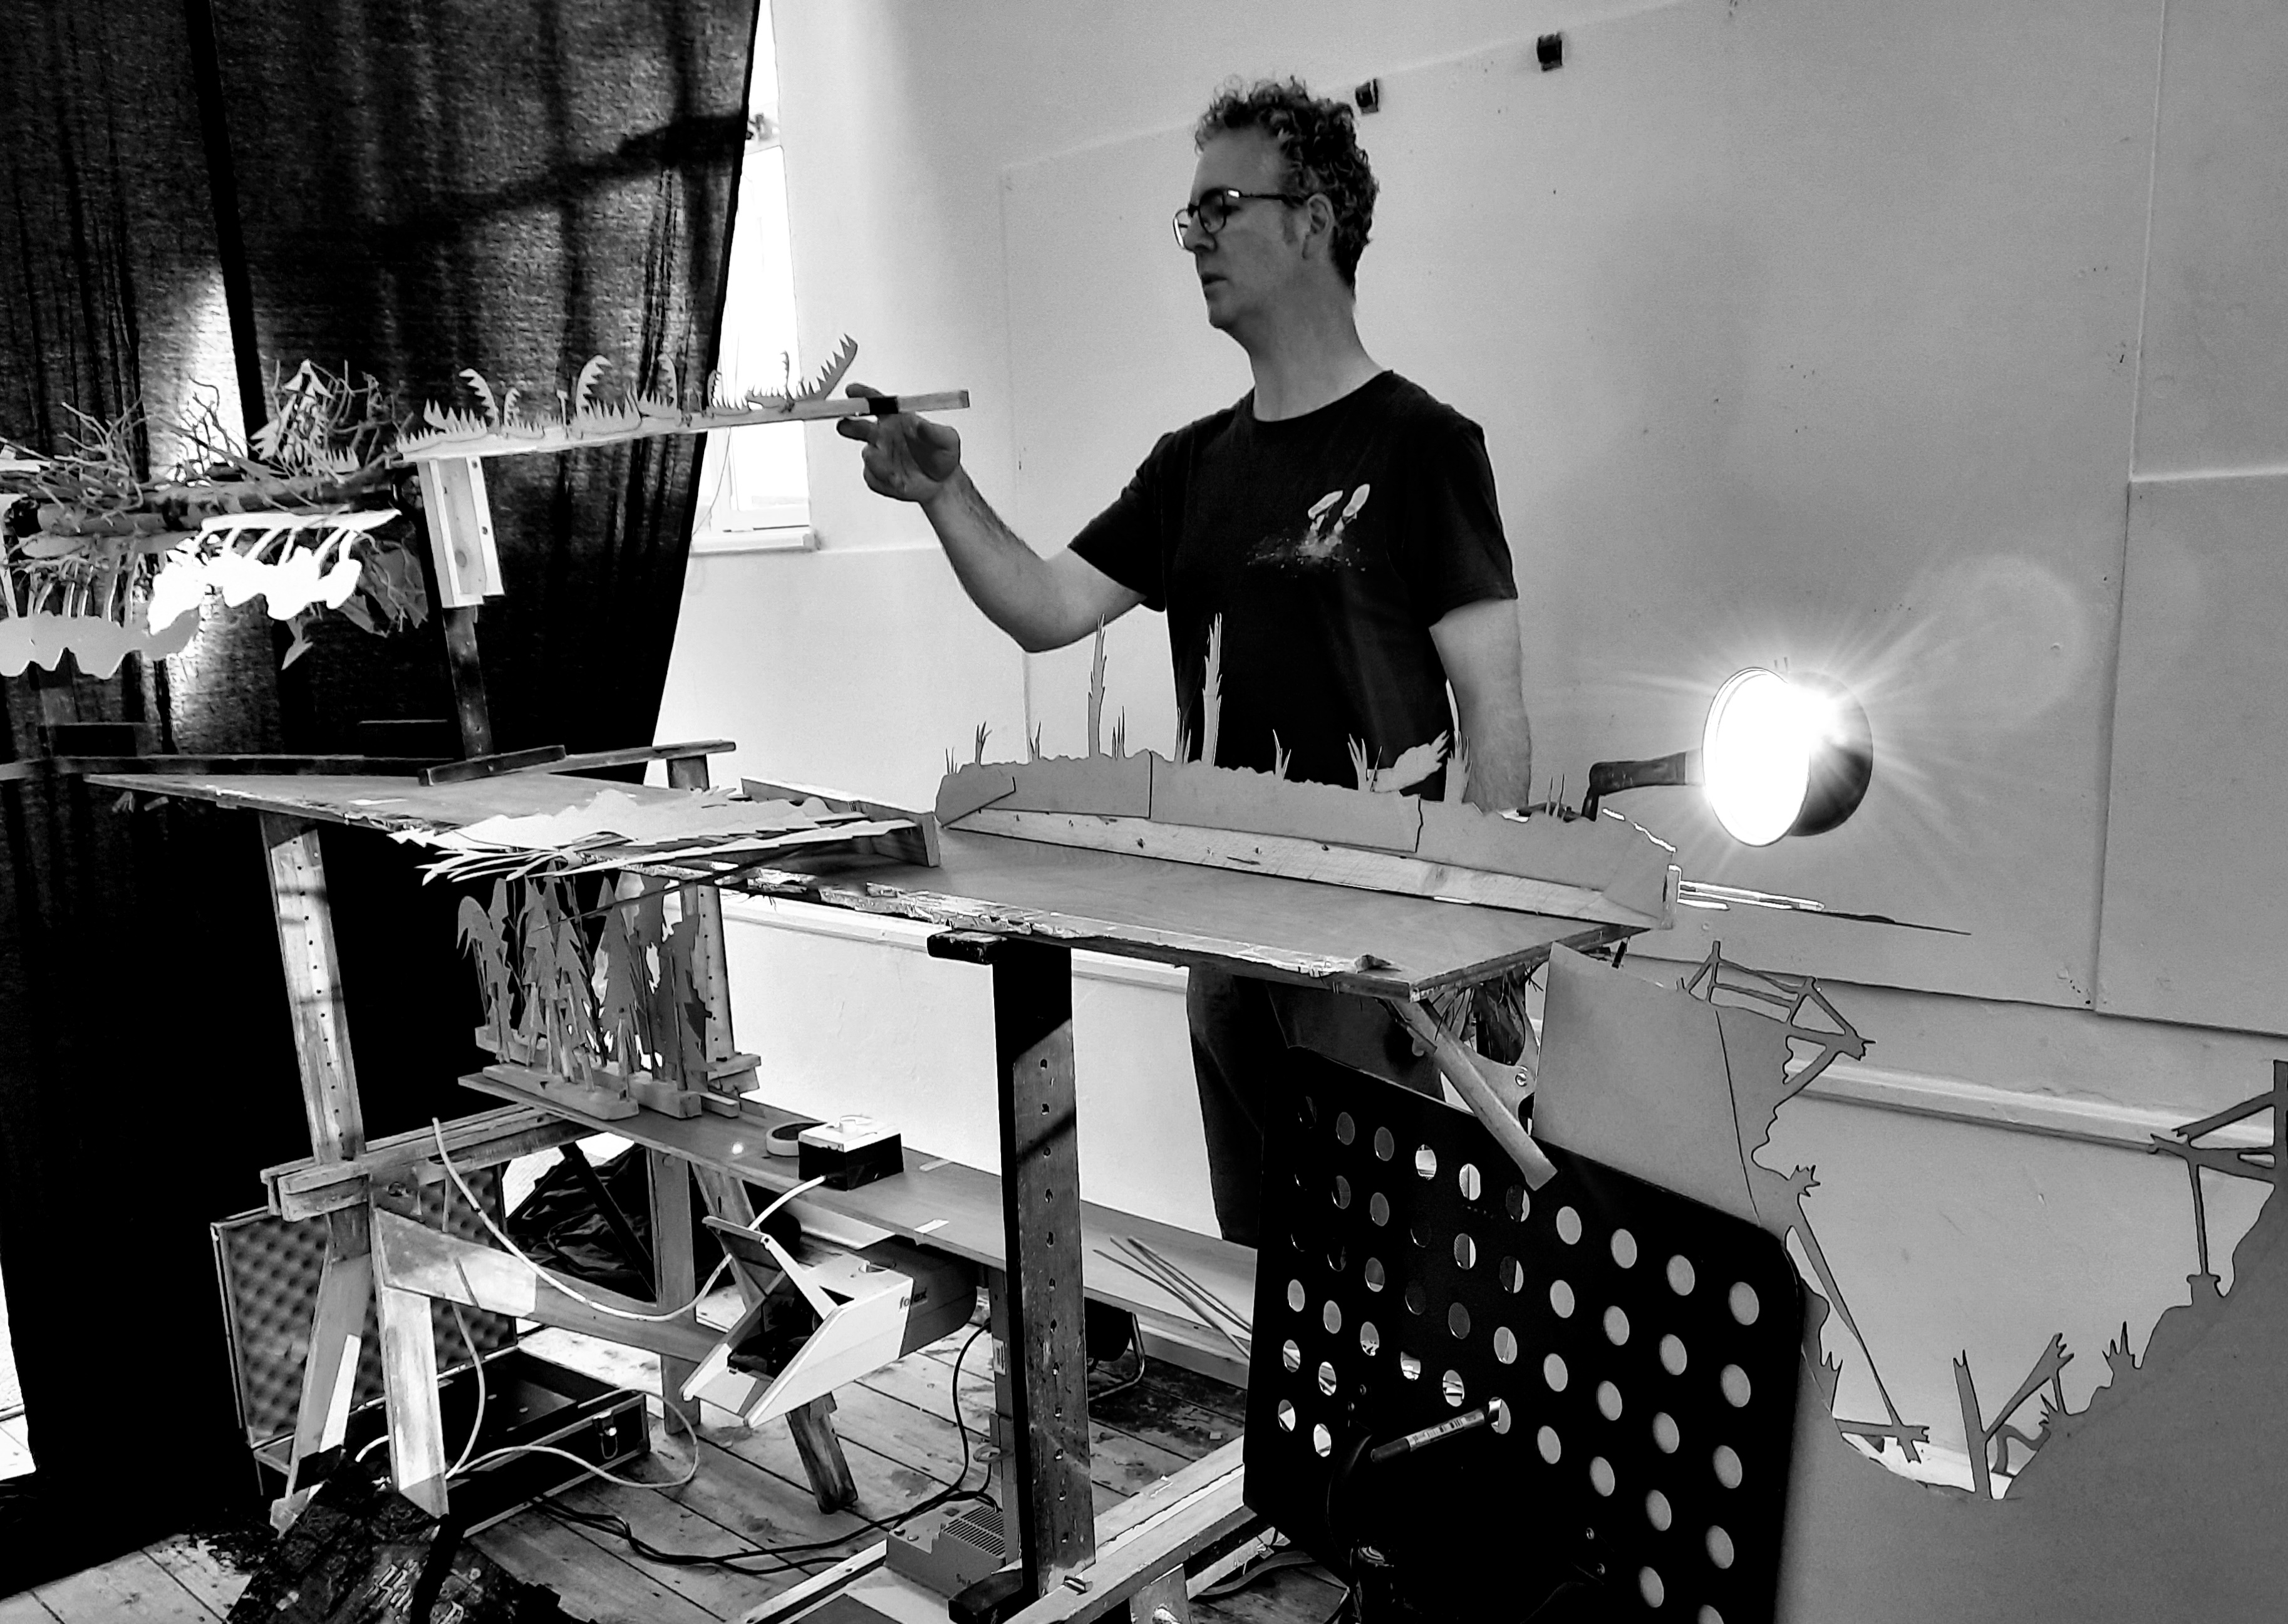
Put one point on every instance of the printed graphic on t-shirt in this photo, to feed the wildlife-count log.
(1319, 544)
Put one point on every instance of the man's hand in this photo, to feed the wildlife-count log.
(1043, 603)
(907, 458)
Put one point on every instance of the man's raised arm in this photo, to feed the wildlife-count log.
(1043, 603)
(1483, 654)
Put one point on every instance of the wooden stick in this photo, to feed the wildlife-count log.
(1454, 1061)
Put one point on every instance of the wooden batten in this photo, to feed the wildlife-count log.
(1292, 858)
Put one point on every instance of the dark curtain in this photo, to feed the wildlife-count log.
(200, 191)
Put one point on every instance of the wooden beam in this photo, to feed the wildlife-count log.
(408, 1369)
(1145, 1537)
(313, 990)
(590, 761)
(675, 1275)
(214, 766)
(475, 767)
(1456, 1065)
(1290, 858)
(411, 1257)
(330, 1368)
(310, 1187)
(1041, 1218)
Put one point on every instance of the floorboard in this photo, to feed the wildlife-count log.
(595, 1584)
(899, 1435)
(195, 1562)
(132, 1586)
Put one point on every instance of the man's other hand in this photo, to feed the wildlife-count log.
(907, 457)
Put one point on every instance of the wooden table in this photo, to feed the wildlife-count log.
(1013, 906)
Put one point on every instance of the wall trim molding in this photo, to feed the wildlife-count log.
(1958, 1099)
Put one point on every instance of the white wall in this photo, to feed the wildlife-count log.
(1942, 345)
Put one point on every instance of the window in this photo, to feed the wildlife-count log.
(754, 488)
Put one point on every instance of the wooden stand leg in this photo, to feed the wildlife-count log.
(813, 1423)
(329, 1101)
(675, 1277)
(823, 1461)
(329, 1370)
(1040, 1204)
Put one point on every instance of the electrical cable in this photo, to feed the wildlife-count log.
(797, 1554)
(476, 1360)
(593, 1471)
(1136, 1340)
(501, 1235)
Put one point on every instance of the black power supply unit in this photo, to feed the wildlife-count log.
(527, 1401)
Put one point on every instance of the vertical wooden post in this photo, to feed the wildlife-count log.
(466, 564)
(313, 988)
(470, 707)
(1040, 1205)
(675, 1275)
(329, 1101)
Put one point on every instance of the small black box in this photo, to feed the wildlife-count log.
(849, 1152)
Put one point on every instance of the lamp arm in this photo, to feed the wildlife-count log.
(1611, 777)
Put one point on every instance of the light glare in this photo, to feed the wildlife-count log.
(1756, 754)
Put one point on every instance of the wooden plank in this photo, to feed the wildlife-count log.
(675, 1277)
(819, 1586)
(409, 1373)
(1258, 924)
(724, 1593)
(308, 1188)
(1040, 1204)
(314, 989)
(132, 1586)
(389, 804)
(594, 1584)
(590, 761)
(472, 767)
(330, 1368)
(427, 448)
(138, 767)
(411, 1258)
(1307, 859)
(193, 1562)
(906, 1401)
(459, 520)
(1143, 1537)
(950, 1208)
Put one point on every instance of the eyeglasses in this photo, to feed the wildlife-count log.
(1212, 210)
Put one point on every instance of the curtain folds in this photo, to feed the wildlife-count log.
(197, 192)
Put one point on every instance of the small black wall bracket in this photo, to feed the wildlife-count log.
(1369, 96)
(1549, 51)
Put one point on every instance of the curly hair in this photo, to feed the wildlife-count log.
(1318, 137)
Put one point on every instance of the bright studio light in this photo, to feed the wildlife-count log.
(1780, 756)
(1756, 755)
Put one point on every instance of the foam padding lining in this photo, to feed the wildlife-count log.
(268, 1269)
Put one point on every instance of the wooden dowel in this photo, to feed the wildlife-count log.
(1454, 1061)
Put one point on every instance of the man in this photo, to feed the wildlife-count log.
(1334, 533)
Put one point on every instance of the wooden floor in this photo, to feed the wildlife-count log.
(898, 1432)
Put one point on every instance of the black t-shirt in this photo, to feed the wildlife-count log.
(1328, 544)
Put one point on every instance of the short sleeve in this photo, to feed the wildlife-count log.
(1452, 552)
(1131, 540)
